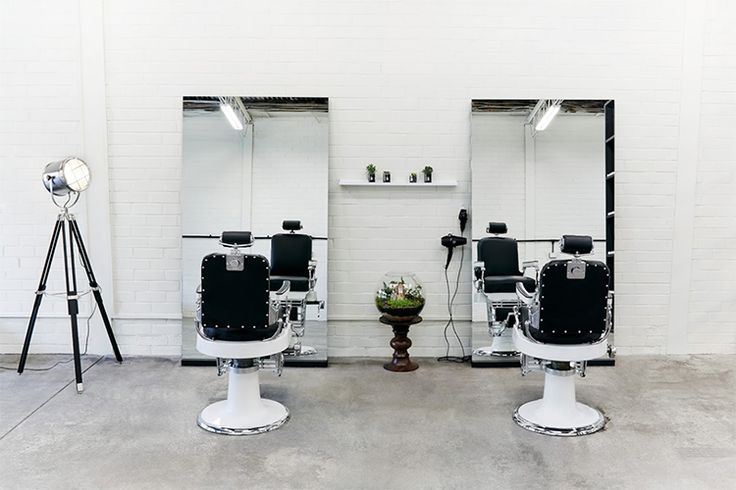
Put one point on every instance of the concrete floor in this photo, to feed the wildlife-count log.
(355, 425)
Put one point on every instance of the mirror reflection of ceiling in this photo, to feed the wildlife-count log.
(525, 106)
(261, 106)
(542, 184)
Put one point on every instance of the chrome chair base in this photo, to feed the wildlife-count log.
(217, 418)
(502, 345)
(535, 417)
(304, 350)
(489, 352)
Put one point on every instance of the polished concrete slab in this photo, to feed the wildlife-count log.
(355, 425)
(21, 395)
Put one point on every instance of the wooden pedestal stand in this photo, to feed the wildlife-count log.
(400, 343)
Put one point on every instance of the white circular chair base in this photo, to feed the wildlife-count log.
(536, 417)
(219, 419)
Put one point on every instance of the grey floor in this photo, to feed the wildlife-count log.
(355, 425)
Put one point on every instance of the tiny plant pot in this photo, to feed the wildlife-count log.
(386, 176)
(427, 171)
(412, 178)
(371, 177)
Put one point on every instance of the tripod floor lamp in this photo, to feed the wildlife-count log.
(66, 179)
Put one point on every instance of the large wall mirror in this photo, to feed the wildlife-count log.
(544, 168)
(259, 164)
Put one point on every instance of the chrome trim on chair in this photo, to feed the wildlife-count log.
(217, 429)
(558, 431)
(488, 351)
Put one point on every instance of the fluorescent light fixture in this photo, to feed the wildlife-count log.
(547, 117)
(232, 118)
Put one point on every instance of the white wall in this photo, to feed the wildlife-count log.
(400, 77)
(290, 168)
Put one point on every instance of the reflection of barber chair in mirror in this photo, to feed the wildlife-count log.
(292, 262)
(544, 166)
(496, 274)
(561, 326)
(238, 324)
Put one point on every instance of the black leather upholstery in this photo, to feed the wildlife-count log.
(497, 227)
(572, 311)
(290, 256)
(297, 283)
(501, 258)
(235, 304)
(507, 284)
(239, 238)
(291, 225)
(576, 244)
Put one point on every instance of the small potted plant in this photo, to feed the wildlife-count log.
(371, 169)
(413, 178)
(427, 171)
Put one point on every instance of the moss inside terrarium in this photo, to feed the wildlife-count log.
(397, 303)
(400, 295)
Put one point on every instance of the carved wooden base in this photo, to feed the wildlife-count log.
(400, 362)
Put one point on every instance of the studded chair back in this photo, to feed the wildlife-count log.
(573, 302)
(290, 256)
(235, 303)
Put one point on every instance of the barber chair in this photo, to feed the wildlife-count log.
(239, 325)
(291, 261)
(496, 275)
(560, 327)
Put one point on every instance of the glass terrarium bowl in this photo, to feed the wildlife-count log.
(400, 295)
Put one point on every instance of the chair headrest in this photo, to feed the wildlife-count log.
(497, 227)
(236, 238)
(576, 244)
(291, 225)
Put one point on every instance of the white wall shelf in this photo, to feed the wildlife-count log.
(365, 183)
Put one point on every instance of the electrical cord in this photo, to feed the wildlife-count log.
(451, 321)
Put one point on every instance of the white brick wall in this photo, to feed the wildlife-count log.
(400, 76)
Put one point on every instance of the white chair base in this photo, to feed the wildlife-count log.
(558, 413)
(244, 412)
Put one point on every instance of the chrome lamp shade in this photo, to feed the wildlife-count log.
(70, 175)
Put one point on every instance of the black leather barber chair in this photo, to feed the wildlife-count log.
(291, 260)
(239, 324)
(496, 275)
(560, 327)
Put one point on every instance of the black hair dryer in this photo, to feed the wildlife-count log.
(451, 241)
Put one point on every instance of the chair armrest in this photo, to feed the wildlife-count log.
(479, 269)
(530, 264)
(525, 296)
(285, 288)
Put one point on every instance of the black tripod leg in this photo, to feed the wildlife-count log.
(39, 295)
(95, 287)
(72, 301)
